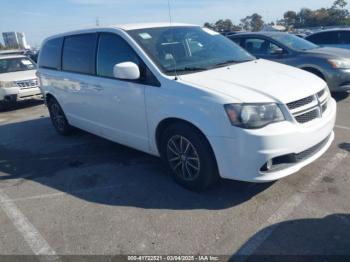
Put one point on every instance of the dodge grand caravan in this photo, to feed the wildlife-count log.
(204, 105)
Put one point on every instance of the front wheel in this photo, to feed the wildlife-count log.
(58, 117)
(3, 106)
(189, 156)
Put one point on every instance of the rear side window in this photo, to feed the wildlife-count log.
(236, 40)
(344, 37)
(326, 38)
(50, 54)
(111, 51)
(79, 53)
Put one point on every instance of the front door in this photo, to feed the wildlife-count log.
(120, 103)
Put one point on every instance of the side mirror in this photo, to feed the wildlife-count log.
(277, 51)
(127, 71)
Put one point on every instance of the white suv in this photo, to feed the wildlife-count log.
(17, 79)
(191, 96)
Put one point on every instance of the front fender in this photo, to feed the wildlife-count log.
(211, 120)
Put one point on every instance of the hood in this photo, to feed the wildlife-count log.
(18, 76)
(258, 81)
(330, 52)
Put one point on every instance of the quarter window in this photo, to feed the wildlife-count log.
(50, 55)
(79, 53)
(111, 51)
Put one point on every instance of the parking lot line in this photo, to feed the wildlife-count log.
(286, 209)
(343, 127)
(51, 195)
(31, 235)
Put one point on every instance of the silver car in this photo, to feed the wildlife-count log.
(331, 64)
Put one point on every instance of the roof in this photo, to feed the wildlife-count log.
(124, 27)
(262, 33)
(12, 51)
(11, 56)
(147, 25)
(331, 30)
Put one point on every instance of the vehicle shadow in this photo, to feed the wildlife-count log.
(101, 171)
(22, 105)
(345, 146)
(339, 96)
(300, 240)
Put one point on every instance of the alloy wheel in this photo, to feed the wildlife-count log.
(183, 158)
(57, 116)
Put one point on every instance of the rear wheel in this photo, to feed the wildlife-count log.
(58, 117)
(189, 156)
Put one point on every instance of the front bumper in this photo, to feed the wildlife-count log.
(14, 94)
(242, 157)
(339, 80)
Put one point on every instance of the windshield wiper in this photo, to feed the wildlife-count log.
(229, 62)
(188, 69)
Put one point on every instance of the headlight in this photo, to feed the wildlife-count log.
(252, 116)
(340, 63)
(7, 84)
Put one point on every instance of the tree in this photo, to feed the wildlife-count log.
(209, 25)
(336, 15)
(339, 4)
(222, 25)
(257, 22)
(253, 23)
(290, 18)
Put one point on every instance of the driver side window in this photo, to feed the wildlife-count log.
(113, 50)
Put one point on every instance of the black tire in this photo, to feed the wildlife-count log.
(58, 118)
(3, 106)
(196, 175)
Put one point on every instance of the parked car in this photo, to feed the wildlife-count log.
(11, 52)
(191, 96)
(330, 64)
(33, 55)
(17, 80)
(332, 38)
(301, 35)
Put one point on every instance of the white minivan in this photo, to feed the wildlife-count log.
(191, 96)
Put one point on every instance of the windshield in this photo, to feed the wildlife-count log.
(294, 42)
(187, 49)
(9, 65)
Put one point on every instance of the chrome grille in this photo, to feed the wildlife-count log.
(321, 93)
(309, 108)
(27, 84)
(311, 151)
(307, 117)
(301, 102)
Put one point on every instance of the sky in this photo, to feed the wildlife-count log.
(41, 18)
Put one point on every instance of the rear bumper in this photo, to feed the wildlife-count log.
(243, 157)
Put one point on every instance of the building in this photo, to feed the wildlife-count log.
(15, 40)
